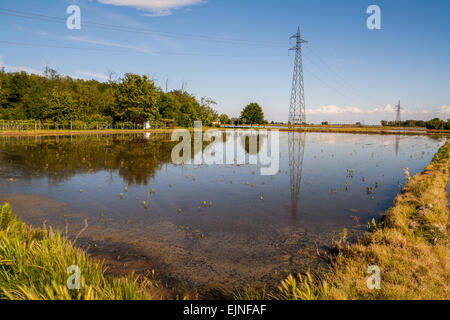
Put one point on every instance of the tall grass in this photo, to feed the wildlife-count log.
(34, 262)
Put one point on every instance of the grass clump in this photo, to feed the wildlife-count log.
(410, 245)
(34, 262)
(303, 288)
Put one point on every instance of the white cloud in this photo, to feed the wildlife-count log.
(445, 110)
(18, 68)
(335, 110)
(388, 109)
(108, 44)
(336, 114)
(155, 7)
(94, 75)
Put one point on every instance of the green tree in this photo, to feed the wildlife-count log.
(436, 124)
(133, 99)
(224, 119)
(137, 99)
(61, 107)
(252, 114)
(205, 113)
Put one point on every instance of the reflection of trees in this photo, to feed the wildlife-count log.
(134, 157)
(296, 151)
(247, 137)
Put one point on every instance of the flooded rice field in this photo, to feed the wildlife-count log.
(201, 226)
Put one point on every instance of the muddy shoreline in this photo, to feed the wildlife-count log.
(181, 268)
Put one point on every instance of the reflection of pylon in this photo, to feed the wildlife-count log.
(296, 151)
(397, 144)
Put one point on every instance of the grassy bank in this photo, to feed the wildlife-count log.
(410, 245)
(34, 262)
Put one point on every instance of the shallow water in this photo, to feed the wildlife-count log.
(205, 226)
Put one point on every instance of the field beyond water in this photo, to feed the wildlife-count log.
(410, 245)
(353, 129)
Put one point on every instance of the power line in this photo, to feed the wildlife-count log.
(111, 27)
(342, 80)
(113, 50)
(331, 87)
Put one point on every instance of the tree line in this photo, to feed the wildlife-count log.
(134, 99)
(434, 124)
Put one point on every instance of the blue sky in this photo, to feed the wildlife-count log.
(236, 51)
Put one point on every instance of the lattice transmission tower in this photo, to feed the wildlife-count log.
(398, 119)
(297, 110)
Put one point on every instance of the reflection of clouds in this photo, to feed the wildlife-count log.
(332, 138)
(239, 147)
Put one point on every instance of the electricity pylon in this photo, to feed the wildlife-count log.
(297, 112)
(398, 119)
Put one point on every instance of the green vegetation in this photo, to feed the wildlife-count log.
(34, 262)
(56, 102)
(252, 114)
(410, 245)
(435, 124)
(223, 118)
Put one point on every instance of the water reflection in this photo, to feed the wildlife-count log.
(397, 144)
(296, 143)
(136, 158)
(209, 223)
